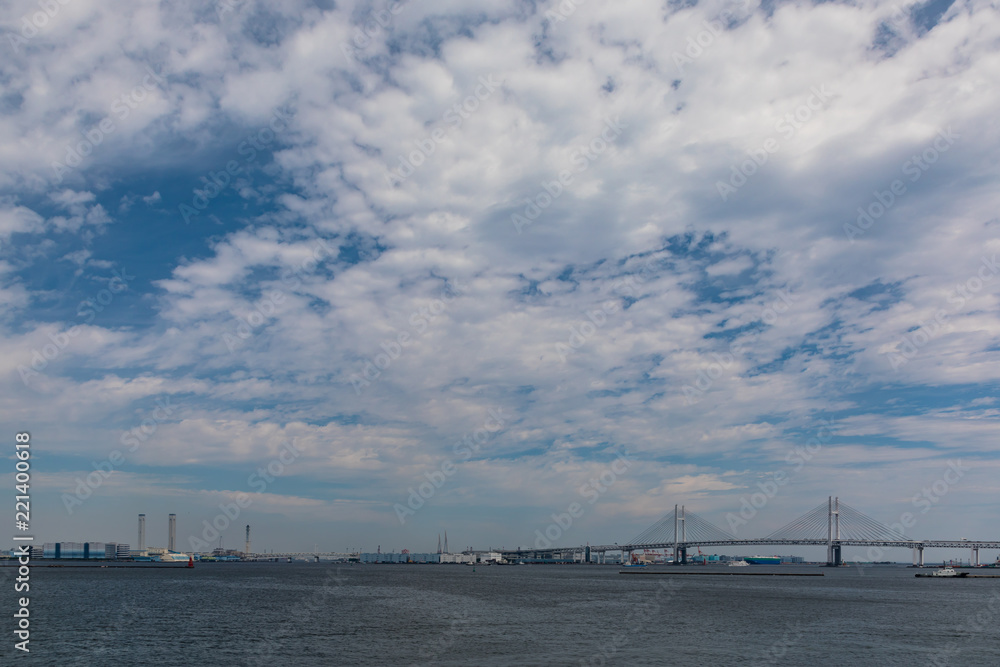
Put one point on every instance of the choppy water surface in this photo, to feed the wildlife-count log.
(324, 614)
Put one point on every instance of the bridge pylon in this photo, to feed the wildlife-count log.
(833, 557)
(838, 524)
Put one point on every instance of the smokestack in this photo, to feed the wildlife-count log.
(172, 535)
(142, 532)
(246, 549)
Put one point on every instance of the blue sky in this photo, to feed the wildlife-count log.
(375, 246)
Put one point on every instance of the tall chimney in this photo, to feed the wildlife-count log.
(142, 532)
(172, 535)
(246, 548)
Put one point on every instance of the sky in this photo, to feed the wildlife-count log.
(357, 274)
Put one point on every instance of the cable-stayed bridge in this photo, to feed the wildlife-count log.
(832, 524)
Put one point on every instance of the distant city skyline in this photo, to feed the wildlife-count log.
(851, 555)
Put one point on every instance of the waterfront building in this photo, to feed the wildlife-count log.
(458, 558)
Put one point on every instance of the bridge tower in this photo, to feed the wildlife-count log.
(680, 552)
(680, 536)
(676, 547)
(833, 547)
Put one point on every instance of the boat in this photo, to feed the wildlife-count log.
(763, 560)
(175, 557)
(634, 562)
(945, 573)
(738, 563)
(948, 572)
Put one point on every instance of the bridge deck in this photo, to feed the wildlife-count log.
(908, 544)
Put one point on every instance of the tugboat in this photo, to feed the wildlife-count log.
(945, 572)
(738, 563)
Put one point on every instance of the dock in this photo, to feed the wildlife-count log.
(960, 575)
(724, 574)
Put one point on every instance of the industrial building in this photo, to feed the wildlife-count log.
(407, 557)
(402, 557)
(102, 551)
(490, 557)
(458, 558)
(115, 550)
(84, 550)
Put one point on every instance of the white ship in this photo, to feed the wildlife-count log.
(174, 557)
